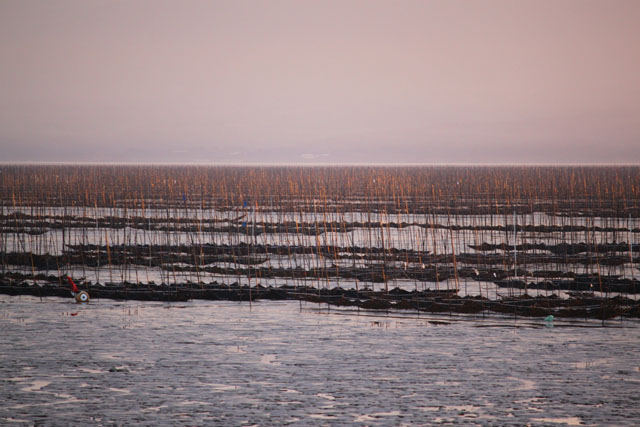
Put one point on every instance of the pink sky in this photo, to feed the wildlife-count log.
(327, 81)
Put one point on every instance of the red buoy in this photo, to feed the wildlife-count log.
(74, 288)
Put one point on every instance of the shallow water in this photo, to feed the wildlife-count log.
(275, 363)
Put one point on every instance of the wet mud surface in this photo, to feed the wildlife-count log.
(290, 362)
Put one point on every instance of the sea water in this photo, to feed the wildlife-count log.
(278, 363)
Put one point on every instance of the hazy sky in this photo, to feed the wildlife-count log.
(320, 81)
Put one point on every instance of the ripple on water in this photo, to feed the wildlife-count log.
(572, 421)
(36, 385)
(119, 390)
(326, 396)
(222, 387)
(527, 385)
(322, 416)
(269, 359)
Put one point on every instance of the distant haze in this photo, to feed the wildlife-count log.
(320, 81)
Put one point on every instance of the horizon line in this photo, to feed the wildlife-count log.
(310, 164)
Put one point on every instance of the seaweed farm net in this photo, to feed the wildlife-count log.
(485, 231)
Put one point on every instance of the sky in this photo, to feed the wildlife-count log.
(514, 81)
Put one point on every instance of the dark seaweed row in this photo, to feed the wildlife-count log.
(396, 299)
(14, 224)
